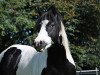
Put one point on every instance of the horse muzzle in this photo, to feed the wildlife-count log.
(40, 46)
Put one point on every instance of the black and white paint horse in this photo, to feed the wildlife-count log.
(55, 57)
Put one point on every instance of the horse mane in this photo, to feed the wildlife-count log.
(66, 44)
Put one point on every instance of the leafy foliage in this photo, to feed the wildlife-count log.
(81, 19)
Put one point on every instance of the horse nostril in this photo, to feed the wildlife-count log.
(37, 44)
(40, 42)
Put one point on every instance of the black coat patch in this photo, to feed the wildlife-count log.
(9, 62)
(57, 64)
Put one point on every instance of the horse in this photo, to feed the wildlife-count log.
(53, 56)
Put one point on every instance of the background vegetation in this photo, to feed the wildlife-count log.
(81, 19)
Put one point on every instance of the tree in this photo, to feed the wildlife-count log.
(16, 23)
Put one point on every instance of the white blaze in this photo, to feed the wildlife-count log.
(43, 34)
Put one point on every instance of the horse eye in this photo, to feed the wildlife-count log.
(52, 23)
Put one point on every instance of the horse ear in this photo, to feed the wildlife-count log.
(53, 10)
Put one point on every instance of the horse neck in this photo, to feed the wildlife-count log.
(56, 54)
(66, 44)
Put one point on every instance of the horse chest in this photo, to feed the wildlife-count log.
(59, 67)
(57, 63)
